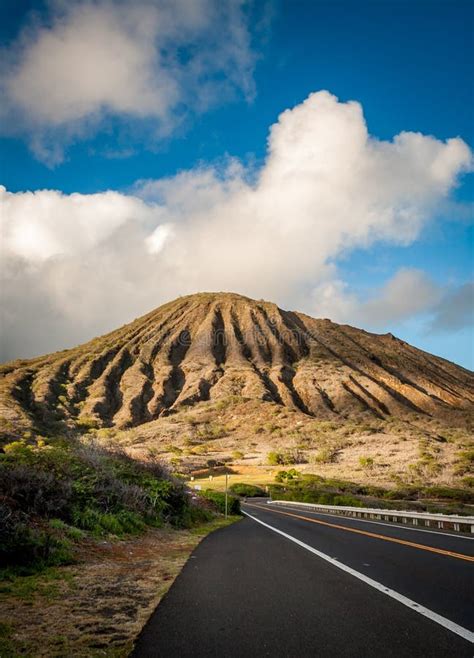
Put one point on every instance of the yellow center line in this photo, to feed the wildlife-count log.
(394, 540)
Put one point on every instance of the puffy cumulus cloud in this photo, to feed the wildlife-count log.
(149, 59)
(46, 223)
(325, 188)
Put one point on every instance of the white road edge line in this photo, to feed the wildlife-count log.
(465, 633)
(390, 525)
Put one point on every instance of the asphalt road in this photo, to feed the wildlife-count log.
(248, 591)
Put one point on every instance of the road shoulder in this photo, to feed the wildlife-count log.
(99, 605)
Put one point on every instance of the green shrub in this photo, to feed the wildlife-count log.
(286, 476)
(22, 543)
(52, 493)
(69, 530)
(87, 423)
(217, 498)
(449, 493)
(402, 493)
(200, 449)
(211, 431)
(174, 449)
(237, 454)
(308, 494)
(272, 427)
(249, 490)
(274, 458)
(286, 458)
(366, 462)
(347, 501)
(465, 464)
(325, 456)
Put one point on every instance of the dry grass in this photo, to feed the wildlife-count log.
(394, 444)
(98, 606)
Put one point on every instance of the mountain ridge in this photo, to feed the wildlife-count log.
(210, 345)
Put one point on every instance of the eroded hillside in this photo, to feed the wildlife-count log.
(227, 352)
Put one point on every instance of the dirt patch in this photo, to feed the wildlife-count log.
(98, 606)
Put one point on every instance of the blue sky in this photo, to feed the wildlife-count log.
(408, 65)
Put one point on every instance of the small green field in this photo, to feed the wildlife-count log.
(217, 482)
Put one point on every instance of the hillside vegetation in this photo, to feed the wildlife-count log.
(54, 493)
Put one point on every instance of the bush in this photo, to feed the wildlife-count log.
(237, 454)
(51, 492)
(217, 498)
(307, 494)
(249, 490)
(23, 543)
(465, 465)
(448, 493)
(211, 431)
(286, 476)
(176, 450)
(274, 458)
(286, 458)
(87, 423)
(325, 456)
(35, 491)
(366, 462)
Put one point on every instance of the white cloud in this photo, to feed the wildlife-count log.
(455, 310)
(409, 292)
(46, 223)
(325, 188)
(150, 59)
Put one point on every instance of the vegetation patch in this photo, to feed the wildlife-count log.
(247, 490)
(329, 491)
(97, 606)
(52, 492)
(217, 500)
(465, 463)
(286, 457)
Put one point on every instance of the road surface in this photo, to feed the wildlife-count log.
(285, 582)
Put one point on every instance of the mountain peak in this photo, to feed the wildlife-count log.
(212, 345)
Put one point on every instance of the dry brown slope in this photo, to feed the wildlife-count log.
(213, 345)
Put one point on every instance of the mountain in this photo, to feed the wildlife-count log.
(242, 364)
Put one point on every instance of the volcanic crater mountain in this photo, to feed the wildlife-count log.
(225, 348)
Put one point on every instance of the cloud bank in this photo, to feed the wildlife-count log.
(149, 60)
(409, 293)
(76, 265)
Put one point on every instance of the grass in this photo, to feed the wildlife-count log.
(46, 584)
(66, 611)
(217, 483)
(325, 456)
(220, 522)
(7, 647)
(465, 463)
